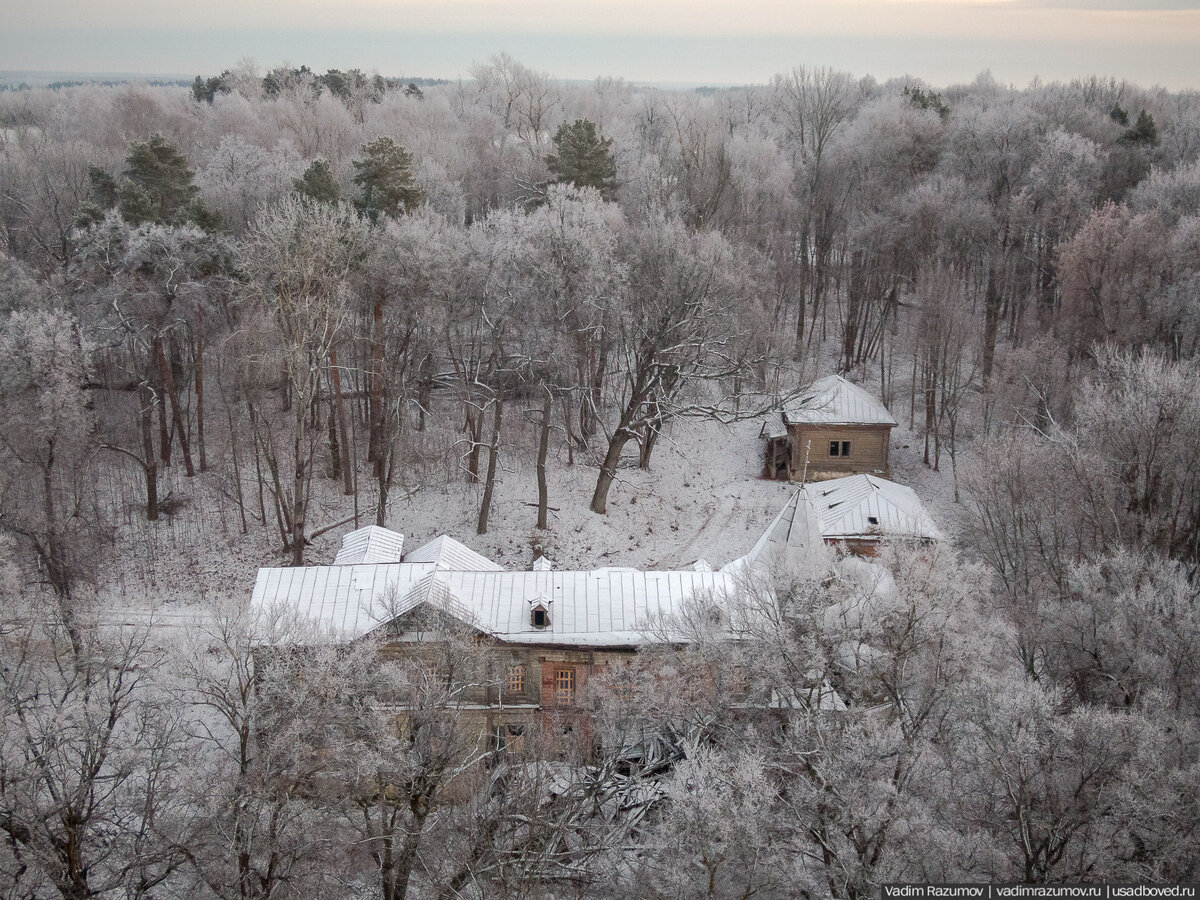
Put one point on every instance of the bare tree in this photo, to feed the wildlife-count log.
(300, 257)
(89, 756)
(678, 335)
(49, 447)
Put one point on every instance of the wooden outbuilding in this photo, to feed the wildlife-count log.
(834, 429)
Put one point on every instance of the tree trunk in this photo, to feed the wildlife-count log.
(591, 399)
(474, 433)
(408, 852)
(199, 365)
(387, 467)
(164, 436)
(299, 486)
(543, 451)
(339, 406)
(168, 381)
(375, 410)
(608, 470)
(424, 389)
(237, 469)
(572, 438)
(493, 458)
(262, 506)
(385, 488)
(991, 322)
(387, 870)
(646, 448)
(146, 399)
(335, 456)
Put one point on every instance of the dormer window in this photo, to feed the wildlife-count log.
(539, 613)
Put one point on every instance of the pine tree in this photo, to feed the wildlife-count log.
(384, 176)
(583, 158)
(1144, 131)
(317, 183)
(158, 186)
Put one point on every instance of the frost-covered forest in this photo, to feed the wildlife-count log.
(237, 321)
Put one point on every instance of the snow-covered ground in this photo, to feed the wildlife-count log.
(702, 498)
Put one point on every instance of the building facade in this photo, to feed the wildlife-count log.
(834, 429)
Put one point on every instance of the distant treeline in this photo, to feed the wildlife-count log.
(105, 82)
(341, 84)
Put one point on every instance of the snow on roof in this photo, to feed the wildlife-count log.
(607, 607)
(371, 544)
(449, 554)
(863, 505)
(835, 401)
(794, 527)
(601, 608)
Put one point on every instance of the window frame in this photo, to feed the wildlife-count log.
(564, 685)
(839, 449)
(514, 679)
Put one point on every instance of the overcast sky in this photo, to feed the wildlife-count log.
(687, 41)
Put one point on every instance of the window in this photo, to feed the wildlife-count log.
(839, 448)
(436, 676)
(564, 685)
(737, 680)
(509, 739)
(539, 617)
(516, 679)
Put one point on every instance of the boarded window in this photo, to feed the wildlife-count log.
(737, 680)
(516, 679)
(564, 685)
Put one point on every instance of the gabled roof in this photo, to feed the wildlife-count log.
(835, 401)
(606, 607)
(601, 608)
(793, 528)
(448, 554)
(866, 506)
(371, 544)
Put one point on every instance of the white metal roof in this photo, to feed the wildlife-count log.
(835, 401)
(614, 607)
(449, 554)
(371, 544)
(795, 528)
(607, 607)
(865, 506)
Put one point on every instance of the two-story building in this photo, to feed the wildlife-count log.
(538, 636)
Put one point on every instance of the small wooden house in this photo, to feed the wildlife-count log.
(835, 428)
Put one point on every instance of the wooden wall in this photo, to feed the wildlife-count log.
(868, 451)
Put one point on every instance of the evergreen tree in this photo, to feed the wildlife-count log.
(317, 183)
(158, 186)
(583, 158)
(102, 196)
(384, 176)
(1144, 131)
(205, 90)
